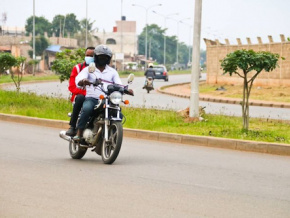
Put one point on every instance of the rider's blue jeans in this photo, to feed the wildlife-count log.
(87, 111)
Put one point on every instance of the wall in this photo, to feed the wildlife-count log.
(216, 51)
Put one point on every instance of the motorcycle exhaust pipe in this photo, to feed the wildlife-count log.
(64, 136)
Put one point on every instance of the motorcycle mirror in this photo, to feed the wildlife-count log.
(130, 78)
(92, 67)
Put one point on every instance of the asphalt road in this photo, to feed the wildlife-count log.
(161, 101)
(149, 179)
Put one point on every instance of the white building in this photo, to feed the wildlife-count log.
(122, 41)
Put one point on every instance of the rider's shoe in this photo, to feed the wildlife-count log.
(71, 131)
(76, 138)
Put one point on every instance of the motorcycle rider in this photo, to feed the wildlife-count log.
(149, 73)
(102, 58)
(78, 95)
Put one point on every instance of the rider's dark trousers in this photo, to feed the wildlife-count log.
(88, 109)
(79, 100)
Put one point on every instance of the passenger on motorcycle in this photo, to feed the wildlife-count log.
(149, 73)
(78, 95)
(102, 58)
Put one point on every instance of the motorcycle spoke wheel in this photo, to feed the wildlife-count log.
(111, 149)
(76, 152)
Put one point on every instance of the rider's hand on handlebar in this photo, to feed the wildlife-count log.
(97, 82)
(86, 82)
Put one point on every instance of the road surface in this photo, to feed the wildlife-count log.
(149, 179)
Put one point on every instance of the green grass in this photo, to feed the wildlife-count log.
(29, 104)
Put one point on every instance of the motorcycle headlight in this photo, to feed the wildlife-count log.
(116, 97)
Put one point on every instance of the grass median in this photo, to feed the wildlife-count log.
(32, 105)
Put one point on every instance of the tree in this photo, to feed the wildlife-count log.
(7, 61)
(66, 60)
(67, 24)
(247, 61)
(72, 25)
(203, 58)
(41, 43)
(155, 45)
(42, 25)
(81, 36)
(183, 53)
(16, 75)
(57, 24)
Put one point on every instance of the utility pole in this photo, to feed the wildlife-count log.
(33, 40)
(86, 23)
(122, 50)
(63, 26)
(195, 67)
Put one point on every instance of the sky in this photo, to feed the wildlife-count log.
(221, 19)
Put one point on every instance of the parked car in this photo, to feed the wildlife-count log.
(160, 72)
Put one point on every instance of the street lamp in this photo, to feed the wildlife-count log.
(146, 9)
(165, 18)
(33, 40)
(86, 23)
(179, 21)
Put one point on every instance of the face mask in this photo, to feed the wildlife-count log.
(102, 60)
(89, 60)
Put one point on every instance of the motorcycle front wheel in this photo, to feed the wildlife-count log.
(111, 149)
(76, 152)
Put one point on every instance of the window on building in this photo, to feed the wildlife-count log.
(111, 41)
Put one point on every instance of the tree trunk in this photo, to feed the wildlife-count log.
(244, 104)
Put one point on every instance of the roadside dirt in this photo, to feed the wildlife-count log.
(273, 94)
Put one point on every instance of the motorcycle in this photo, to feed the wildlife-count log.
(104, 130)
(149, 84)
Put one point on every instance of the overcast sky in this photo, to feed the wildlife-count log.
(220, 18)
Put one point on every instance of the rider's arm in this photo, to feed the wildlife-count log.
(81, 77)
(72, 84)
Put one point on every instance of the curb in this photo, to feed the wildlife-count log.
(223, 100)
(241, 145)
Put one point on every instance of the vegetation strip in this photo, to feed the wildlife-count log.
(32, 105)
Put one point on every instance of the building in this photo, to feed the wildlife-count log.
(14, 41)
(122, 41)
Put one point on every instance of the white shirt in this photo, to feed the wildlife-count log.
(109, 74)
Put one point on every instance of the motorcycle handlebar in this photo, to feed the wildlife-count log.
(126, 90)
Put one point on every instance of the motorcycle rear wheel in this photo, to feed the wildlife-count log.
(111, 149)
(76, 152)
